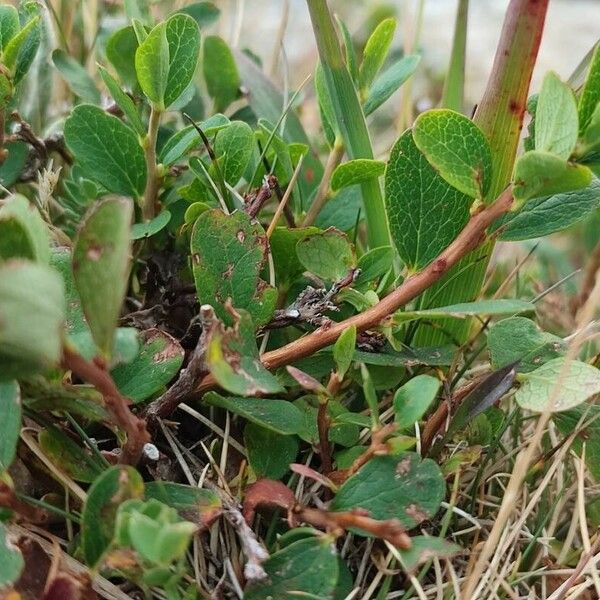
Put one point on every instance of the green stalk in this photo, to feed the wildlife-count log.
(454, 86)
(152, 182)
(500, 117)
(349, 116)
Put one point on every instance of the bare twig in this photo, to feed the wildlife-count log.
(116, 404)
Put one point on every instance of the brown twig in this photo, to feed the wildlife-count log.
(589, 280)
(116, 404)
(256, 200)
(472, 236)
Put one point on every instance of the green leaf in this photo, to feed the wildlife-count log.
(9, 24)
(591, 137)
(107, 493)
(376, 51)
(107, 150)
(343, 350)
(23, 232)
(402, 487)
(228, 255)
(548, 214)
(350, 52)
(542, 174)
(159, 360)
(411, 357)
(328, 255)
(187, 139)
(390, 81)
(121, 49)
(372, 265)
(232, 358)
(20, 51)
(11, 560)
(307, 568)
(558, 385)
(567, 423)
(413, 399)
(10, 422)
(138, 10)
(456, 148)
(204, 13)
(183, 38)
(556, 121)
(424, 212)
(269, 453)
(76, 76)
(283, 249)
(67, 455)
(470, 309)
(519, 339)
(233, 147)
(198, 505)
(147, 229)
(423, 548)
(344, 433)
(278, 416)
(124, 102)
(12, 167)
(101, 256)
(32, 313)
(152, 65)
(220, 72)
(590, 95)
(356, 171)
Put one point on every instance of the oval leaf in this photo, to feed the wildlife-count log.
(356, 171)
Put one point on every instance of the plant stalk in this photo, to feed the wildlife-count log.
(454, 86)
(350, 119)
(152, 180)
(500, 117)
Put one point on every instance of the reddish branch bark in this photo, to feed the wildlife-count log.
(116, 404)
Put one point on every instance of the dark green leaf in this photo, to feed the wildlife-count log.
(542, 216)
(519, 339)
(279, 416)
(269, 453)
(403, 487)
(233, 147)
(425, 212)
(124, 101)
(107, 150)
(104, 497)
(101, 266)
(11, 559)
(9, 24)
(120, 51)
(307, 568)
(456, 148)
(590, 95)
(149, 228)
(152, 65)
(220, 72)
(20, 51)
(10, 422)
(283, 249)
(159, 360)
(228, 254)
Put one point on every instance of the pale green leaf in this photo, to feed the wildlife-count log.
(10, 422)
(121, 48)
(343, 350)
(233, 147)
(124, 101)
(147, 229)
(152, 65)
(542, 174)
(456, 148)
(423, 548)
(9, 24)
(11, 559)
(328, 255)
(556, 122)
(590, 95)
(413, 399)
(559, 384)
(79, 80)
(376, 51)
(220, 72)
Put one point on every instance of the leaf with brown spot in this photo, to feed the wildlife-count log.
(228, 255)
(267, 493)
(158, 361)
